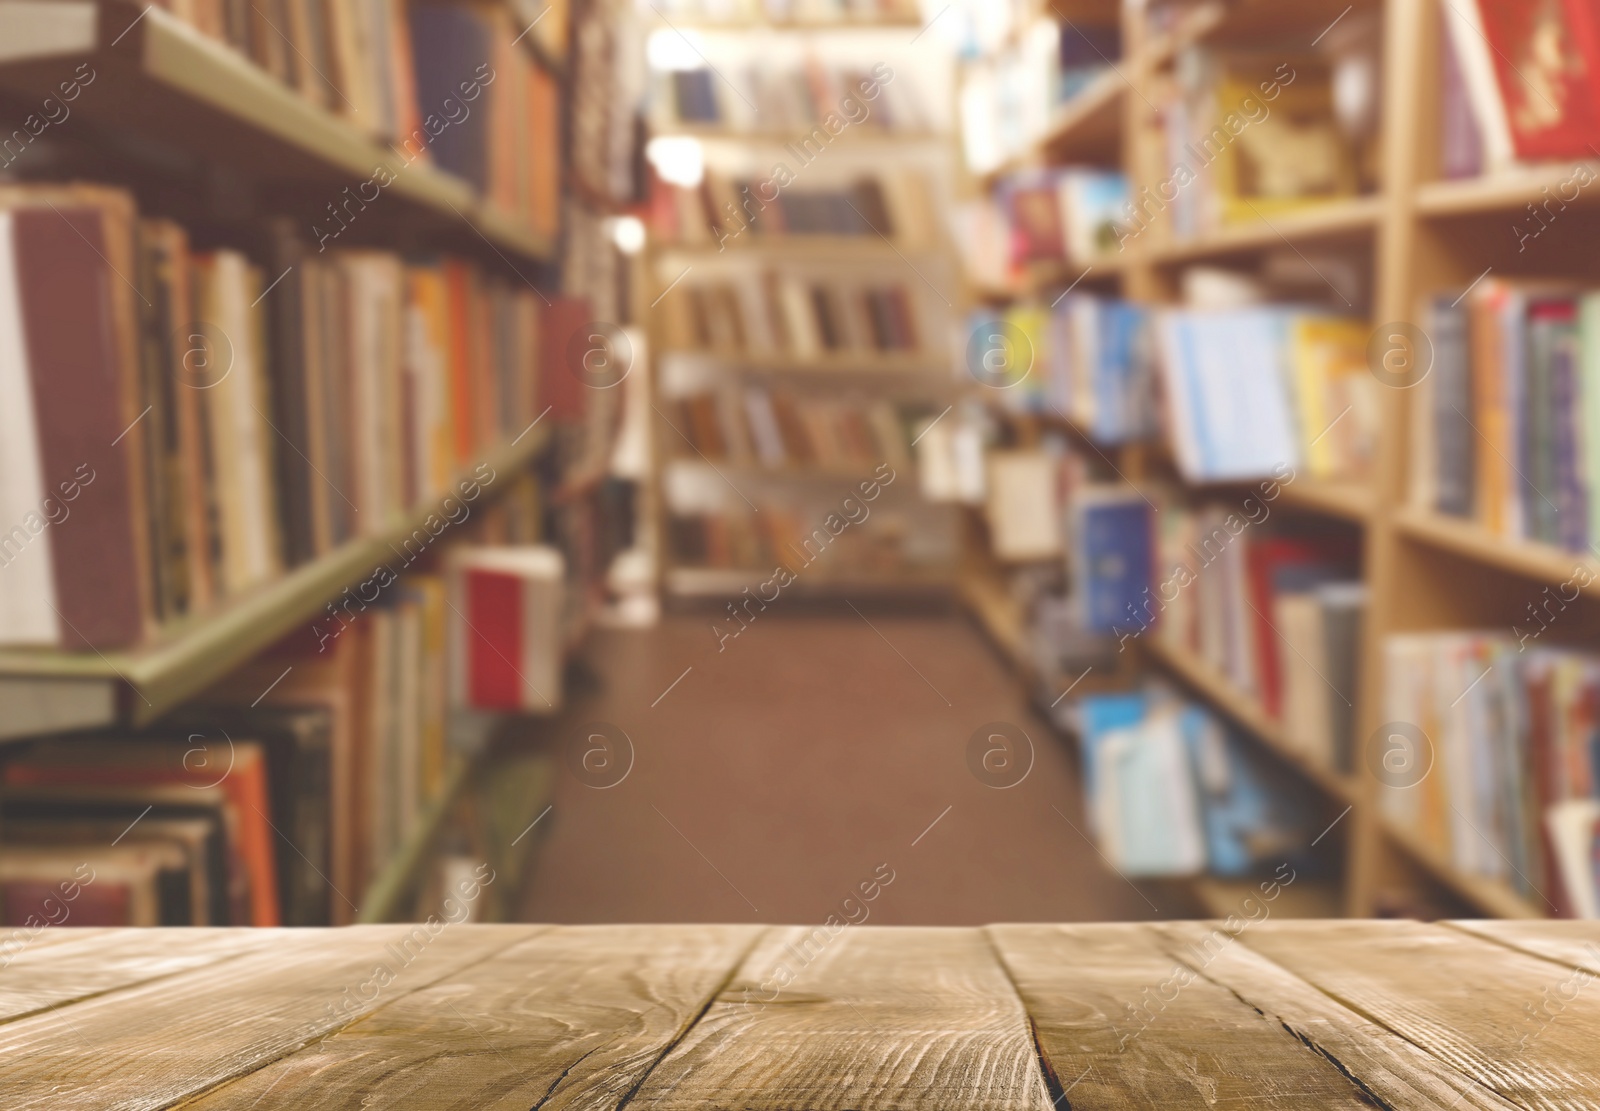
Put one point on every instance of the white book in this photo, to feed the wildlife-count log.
(1464, 23)
(1023, 507)
(27, 568)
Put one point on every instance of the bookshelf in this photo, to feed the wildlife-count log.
(719, 328)
(196, 135)
(1414, 234)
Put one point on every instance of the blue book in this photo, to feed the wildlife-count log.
(1113, 554)
(1256, 814)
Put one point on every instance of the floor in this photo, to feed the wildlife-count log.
(785, 774)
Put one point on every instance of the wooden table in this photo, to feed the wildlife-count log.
(1290, 1014)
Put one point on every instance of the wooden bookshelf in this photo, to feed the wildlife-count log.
(1086, 128)
(1423, 570)
(157, 77)
(141, 684)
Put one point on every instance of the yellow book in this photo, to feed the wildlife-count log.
(1331, 383)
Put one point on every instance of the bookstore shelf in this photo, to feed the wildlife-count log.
(166, 80)
(1332, 220)
(1351, 501)
(1305, 898)
(728, 582)
(1247, 712)
(1000, 618)
(1506, 191)
(1487, 895)
(186, 659)
(1542, 562)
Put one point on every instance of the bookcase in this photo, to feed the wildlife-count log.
(798, 284)
(237, 128)
(1415, 236)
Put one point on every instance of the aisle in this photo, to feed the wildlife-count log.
(812, 753)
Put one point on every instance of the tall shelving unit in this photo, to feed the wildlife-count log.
(209, 111)
(921, 375)
(1424, 570)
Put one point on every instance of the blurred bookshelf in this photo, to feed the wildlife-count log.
(1409, 228)
(333, 384)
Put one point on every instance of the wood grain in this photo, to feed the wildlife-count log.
(150, 1046)
(866, 1020)
(1383, 1063)
(48, 976)
(1496, 1015)
(1118, 1027)
(573, 1018)
(1572, 943)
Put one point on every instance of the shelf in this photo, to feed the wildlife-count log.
(919, 364)
(821, 248)
(185, 660)
(158, 78)
(1352, 501)
(856, 134)
(1507, 191)
(689, 582)
(381, 903)
(1246, 711)
(1466, 537)
(1001, 619)
(1087, 128)
(1339, 219)
(1489, 896)
(1191, 28)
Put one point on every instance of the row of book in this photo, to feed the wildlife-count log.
(1505, 424)
(279, 797)
(445, 83)
(1278, 614)
(1242, 391)
(785, 314)
(1494, 760)
(779, 429)
(734, 213)
(774, 98)
(882, 541)
(1011, 102)
(1517, 83)
(190, 424)
(1174, 791)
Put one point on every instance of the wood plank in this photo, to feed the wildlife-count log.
(868, 1019)
(1490, 1012)
(1383, 1063)
(573, 1018)
(150, 1046)
(1572, 943)
(108, 960)
(1121, 1024)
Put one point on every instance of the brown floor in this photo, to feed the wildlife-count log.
(814, 750)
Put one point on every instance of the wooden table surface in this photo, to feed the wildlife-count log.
(1276, 1014)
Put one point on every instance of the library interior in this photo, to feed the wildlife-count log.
(1051, 536)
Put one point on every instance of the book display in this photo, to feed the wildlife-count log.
(1333, 341)
(283, 340)
(799, 285)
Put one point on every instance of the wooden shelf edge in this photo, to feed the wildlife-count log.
(1489, 896)
(1103, 94)
(1331, 219)
(381, 901)
(1465, 537)
(1245, 711)
(1305, 898)
(1493, 192)
(187, 659)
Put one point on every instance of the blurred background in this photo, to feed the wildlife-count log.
(792, 460)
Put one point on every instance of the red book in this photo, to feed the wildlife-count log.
(1546, 56)
(506, 636)
(563, 346)
(1265, 559)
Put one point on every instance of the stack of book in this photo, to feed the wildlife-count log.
(782, 429)
(1278, 615)
(1497, 772)
(734, 213)
(1492, 113)
(1173, 791)
(1506, 425)
(773, 99)
(189, 424)
(1252, 390)
(790, 314)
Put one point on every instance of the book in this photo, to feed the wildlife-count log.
(1112, 556)
(506, 629)
(1546, 60)
(1023, 509)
